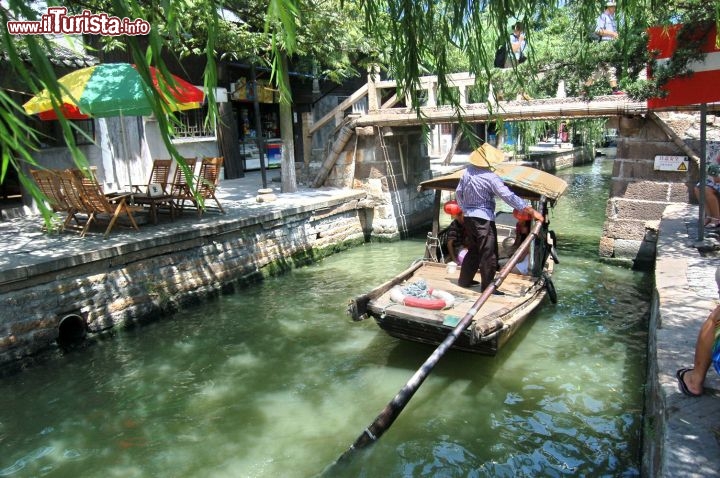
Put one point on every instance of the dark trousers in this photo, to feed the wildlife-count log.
(482, 254)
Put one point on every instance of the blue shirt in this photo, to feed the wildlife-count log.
(476, 193)
(606, 22)
(515, 40)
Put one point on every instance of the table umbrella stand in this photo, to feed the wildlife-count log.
(126, 156)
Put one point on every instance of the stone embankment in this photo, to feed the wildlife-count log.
(640, 190)
(57, 287)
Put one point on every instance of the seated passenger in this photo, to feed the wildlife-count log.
(454, 234)
(712, 196)
(522, 230)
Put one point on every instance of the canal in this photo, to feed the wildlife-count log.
(277, 381)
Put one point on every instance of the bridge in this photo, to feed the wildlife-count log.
(389, 113)
(384, 156)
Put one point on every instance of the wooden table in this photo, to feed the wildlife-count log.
(153, 202)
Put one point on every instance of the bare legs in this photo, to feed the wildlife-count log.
(712, 205)
(695, 378)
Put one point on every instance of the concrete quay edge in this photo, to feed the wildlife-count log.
(681, 434)
(29, 252)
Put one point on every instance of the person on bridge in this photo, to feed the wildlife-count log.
(707, 352)
(606, 29)
(475, 194)
(516, 56)
(519, 45)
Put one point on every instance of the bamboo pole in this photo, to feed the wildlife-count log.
(393, 409)
(343, 137)
(258, 125)
(703, 172)
(347, 103)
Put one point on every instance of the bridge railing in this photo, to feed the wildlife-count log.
(462, 81)
(373, 90)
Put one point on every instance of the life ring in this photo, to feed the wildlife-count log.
(439, 299)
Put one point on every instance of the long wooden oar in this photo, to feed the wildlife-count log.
(391, 411)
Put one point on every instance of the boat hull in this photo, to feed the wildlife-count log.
(491, 328)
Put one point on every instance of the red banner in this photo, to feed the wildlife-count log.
(703, 86)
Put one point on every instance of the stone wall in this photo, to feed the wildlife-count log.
(388, 167)
(553, 160)
(639, 193)
(144, 280)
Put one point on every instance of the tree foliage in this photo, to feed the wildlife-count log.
(424, 34)
(319, 36)
(339, 38)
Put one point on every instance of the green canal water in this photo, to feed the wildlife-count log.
(277, 381)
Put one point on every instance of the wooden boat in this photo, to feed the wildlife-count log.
(500, 315)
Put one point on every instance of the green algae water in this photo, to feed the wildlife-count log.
(276, 381)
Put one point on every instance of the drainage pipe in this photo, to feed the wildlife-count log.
(71, 329)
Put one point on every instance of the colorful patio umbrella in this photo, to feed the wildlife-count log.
(108, 90)
(112, 90)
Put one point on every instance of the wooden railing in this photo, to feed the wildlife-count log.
(373, 91)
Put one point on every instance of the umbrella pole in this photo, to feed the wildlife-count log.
(125, 150)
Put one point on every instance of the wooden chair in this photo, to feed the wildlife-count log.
(160, 174)
(73, 196)
(86, 192)
(208, 179)
(49, 183)
(205, 186)
(179, 185)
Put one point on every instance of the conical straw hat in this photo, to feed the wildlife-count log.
(486, 156)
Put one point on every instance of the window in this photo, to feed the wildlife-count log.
(191, 123)
(50, 132)
(86, 135)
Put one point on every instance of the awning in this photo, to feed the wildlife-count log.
(526, 182)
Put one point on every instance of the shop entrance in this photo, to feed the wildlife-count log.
(269, 124)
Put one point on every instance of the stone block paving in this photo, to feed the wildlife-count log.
(685, 283)
(24, 245)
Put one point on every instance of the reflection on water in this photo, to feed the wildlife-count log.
(277, 381)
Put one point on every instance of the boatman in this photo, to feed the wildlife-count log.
(475, 194)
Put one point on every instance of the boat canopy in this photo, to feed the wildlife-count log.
(526, 182)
